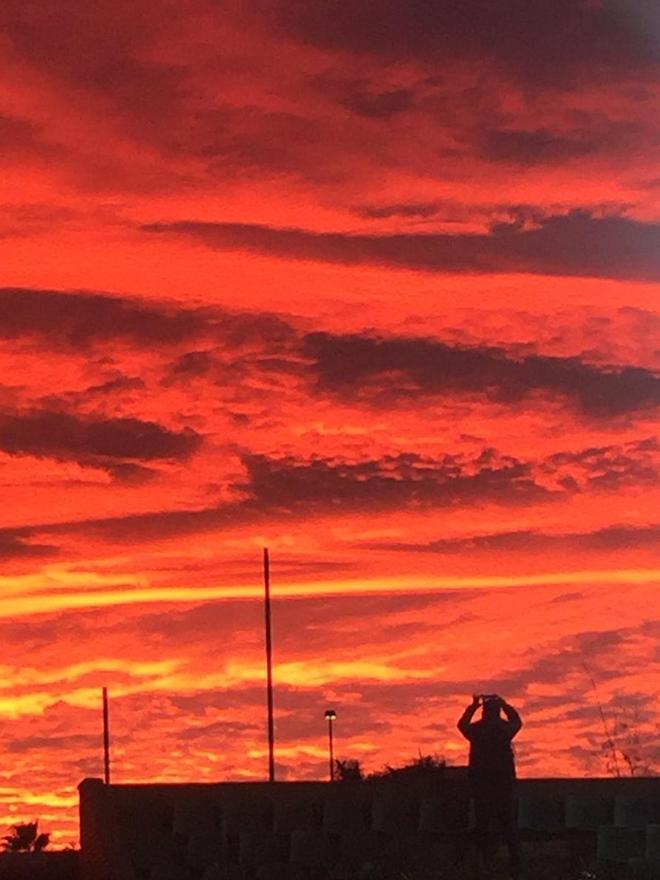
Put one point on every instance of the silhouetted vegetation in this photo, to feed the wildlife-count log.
(628, 749)
(25, 837)
(422, 766)
(350, 770)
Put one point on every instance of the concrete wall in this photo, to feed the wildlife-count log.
(310, 831)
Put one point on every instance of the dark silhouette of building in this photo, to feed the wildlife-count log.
(415, 826)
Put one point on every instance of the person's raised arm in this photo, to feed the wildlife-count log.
(512, 716)
(465, 721)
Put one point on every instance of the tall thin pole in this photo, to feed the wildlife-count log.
(106, 737)
(331, 754)
(269, 669)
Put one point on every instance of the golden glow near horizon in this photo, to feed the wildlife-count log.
(46, 601)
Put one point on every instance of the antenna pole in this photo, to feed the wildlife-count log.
(269, 669)
(106, 737)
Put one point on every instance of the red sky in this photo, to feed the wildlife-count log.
(373, 284)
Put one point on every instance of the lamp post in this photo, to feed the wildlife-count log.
(330, 714)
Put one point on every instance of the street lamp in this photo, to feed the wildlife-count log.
(330, 714)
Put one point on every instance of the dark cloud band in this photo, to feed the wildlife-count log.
(612, 538)
(64, 436)
(367, 366)
(530, 39)
(577, 244)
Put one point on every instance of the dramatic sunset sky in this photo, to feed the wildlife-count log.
(373, 283)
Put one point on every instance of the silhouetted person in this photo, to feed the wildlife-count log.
(492, 771)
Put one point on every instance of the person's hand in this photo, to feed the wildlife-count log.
(476, 698)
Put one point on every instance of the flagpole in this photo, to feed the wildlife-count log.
(106, 737)
(269, 669)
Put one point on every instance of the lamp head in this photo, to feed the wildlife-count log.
(330, 714)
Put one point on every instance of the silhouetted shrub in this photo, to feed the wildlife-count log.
(349, 770)
(421, 767)
(424, 766)
(25, 837)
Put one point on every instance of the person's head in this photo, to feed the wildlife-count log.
(491, 708)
